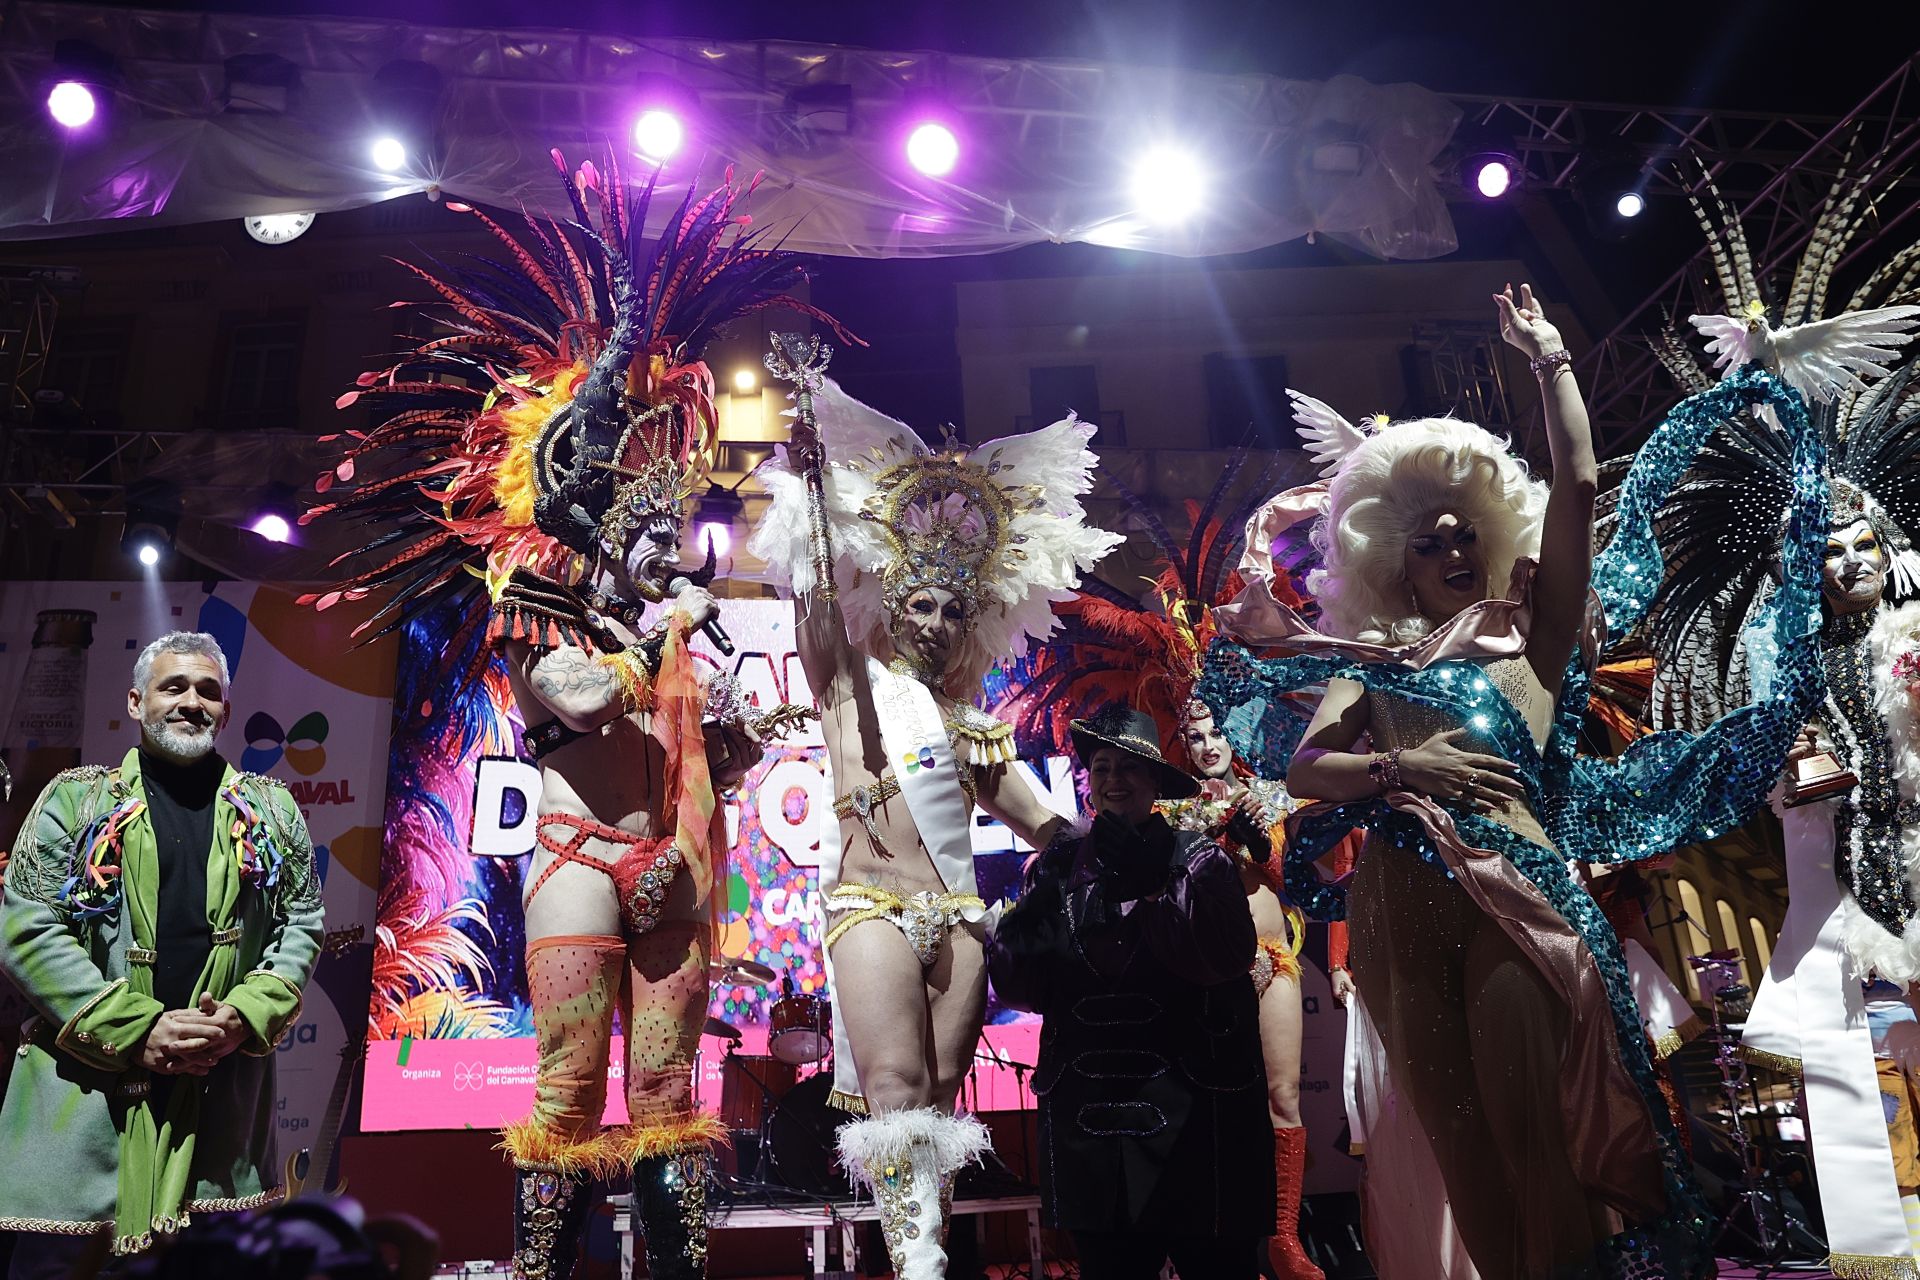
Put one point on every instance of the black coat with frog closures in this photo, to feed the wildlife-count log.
(1134, 945)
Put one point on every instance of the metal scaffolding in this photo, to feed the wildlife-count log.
(28, 310)
(1747, 157)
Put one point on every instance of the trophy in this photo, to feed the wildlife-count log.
(1816, 777)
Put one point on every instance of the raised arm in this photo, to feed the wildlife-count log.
(1566, 537)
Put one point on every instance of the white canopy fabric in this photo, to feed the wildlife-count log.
(1047, 144)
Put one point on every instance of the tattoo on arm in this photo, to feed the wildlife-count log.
(565, 674)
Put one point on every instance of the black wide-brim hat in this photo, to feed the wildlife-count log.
(1119, 726)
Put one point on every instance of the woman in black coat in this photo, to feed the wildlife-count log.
(1133, 942)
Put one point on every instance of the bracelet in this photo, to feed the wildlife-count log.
(1550, 360)
(1385, 771)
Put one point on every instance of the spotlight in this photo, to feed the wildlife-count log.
(657, 134)
(388, 153)
(273, 518)
(405, 116)
(1610, 182)
(1169, 185)
(745, 379)
(71, 104)
(1485, 160)
(1493, 175)
(153, 513)
(933, 149)
(273, 527)
(79, 83)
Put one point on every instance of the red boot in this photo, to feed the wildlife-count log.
(1288, 1258)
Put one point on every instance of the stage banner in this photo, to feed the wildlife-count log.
(309, 709)
(451, 1031)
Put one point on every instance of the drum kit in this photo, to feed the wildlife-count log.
(783, 1130)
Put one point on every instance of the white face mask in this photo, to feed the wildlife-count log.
(1854, 573)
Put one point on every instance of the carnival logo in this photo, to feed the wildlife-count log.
(469, 1075)
(301, 745)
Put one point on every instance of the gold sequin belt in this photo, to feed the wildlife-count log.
(862, 801)
(922, 919)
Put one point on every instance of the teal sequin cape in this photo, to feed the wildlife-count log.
(1666, 790)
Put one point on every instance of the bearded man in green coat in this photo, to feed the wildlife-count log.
(162, 917)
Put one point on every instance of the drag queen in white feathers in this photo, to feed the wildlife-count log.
(913, 570)
(1853, 857)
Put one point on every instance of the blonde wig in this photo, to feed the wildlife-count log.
(1399, 477)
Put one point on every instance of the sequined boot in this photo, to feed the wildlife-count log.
(1284, 1251)
(550, 1212)
(907, 1159)
(670, 1209)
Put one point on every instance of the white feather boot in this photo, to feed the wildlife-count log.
(908, 1159)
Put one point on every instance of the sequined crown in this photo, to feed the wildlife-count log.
(949, 522)
(657, 475)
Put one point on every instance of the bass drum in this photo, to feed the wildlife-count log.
(800, 1139)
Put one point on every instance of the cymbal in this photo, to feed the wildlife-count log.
(740, 970)
(715, 1027)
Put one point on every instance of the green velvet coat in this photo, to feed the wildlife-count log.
(82, 1148)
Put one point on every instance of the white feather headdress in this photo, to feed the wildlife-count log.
(1001, 525)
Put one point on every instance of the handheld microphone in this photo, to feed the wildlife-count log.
(712, 629)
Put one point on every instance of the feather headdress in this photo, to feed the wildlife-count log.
(999, 525)
(1723, 525)
(1820, 356)
(560, 406)
(1115, 648)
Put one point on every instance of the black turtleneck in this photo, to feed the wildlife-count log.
(180, 802)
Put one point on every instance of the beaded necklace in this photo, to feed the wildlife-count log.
(1868, 825)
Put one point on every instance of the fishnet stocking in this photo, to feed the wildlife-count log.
(664, 1008)
(572, 982)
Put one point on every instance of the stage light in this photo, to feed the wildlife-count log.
(71, 104)
(658, 134)
(273, 527)
(1610, 181)
(404, 116)
(80, 83)
(1169, 185)
(711, 534)
(153, 514)
(933, 149)
(745, 380)
(388, 153)
(1493, 176)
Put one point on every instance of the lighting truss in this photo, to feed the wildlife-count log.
(1752, 159)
